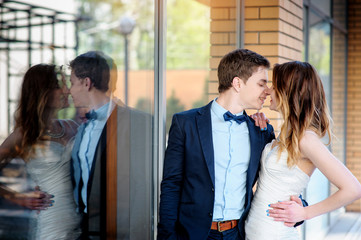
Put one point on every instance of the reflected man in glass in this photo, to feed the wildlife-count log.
(110, 157)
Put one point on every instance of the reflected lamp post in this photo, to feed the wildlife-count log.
(126, 26)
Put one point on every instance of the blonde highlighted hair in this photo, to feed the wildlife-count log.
(302, 102)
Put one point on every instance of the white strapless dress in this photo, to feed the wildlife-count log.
(276, 182)
(49, 168)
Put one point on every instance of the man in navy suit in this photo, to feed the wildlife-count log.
(212, 159)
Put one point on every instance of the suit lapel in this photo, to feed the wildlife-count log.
(76, 174)
(204, 125)
(100, 153)
(255, 142)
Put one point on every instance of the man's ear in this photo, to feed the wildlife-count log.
(237, 84)
(88, 83)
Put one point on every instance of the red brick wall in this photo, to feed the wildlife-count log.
(353, 148)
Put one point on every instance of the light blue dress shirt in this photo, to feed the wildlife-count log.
(88, 145)
(232, 152)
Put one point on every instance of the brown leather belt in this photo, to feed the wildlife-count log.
(224, 225)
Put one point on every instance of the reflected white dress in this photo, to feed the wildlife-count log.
(276, 182)
(49, 168)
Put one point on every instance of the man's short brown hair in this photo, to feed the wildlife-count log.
(240, 63)
(96, 66)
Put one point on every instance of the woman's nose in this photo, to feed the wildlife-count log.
(267, 90)
(66, 90)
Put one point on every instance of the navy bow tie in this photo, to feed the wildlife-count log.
(228, 116)
(92, 115)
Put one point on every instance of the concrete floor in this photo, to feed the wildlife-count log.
(347, 227)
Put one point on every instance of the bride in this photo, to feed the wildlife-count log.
(45, 144)
(288, 162)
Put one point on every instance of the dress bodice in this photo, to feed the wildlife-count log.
(276, 182)
(50, 163)
(49, 167)
(276, 178)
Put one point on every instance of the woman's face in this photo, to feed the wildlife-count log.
(274, 101)
(58, 97)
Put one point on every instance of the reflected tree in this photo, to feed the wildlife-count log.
(144, 104)
(204, 98)
(173, 106)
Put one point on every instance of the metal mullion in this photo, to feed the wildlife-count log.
(240, 23)
(53, 39)
(159, 120)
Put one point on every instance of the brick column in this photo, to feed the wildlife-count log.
(223, 38)
(273, 28)
(353, 149)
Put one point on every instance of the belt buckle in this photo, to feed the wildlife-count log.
(219, 226)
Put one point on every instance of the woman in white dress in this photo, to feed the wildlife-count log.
(44, 143)
(288, 162)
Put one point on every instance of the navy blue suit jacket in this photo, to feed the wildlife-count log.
(187, 189)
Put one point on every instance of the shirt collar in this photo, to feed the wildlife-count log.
(219, 111)
(102, 112)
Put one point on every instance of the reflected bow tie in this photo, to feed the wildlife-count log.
(92, 115)
(228, 116)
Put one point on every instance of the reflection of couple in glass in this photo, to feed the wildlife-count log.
(216, 154)
(54, 153)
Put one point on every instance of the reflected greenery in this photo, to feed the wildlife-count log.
(173, 106)
(188, 30)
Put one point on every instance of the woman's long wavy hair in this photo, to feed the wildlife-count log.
(32, 115)
(302, 102)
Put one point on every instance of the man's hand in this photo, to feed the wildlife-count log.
(260, 120)
(289, 212)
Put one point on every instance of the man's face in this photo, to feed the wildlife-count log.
(78, 91)
(254, 90)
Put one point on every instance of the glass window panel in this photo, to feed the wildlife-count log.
(319, 55)
(323, 5)
(338, 103)
(339, 93)
(188, 46)
(319, 51)
(119, 161)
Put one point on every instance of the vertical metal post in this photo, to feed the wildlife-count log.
(76, 48)
(29, 37)
(159, 122)
(53, 39)
(126, 69)
(8, 80)
(65, 47)
(240, 24)
(42, 39)
(8, 76)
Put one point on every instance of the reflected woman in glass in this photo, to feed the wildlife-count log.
(44, 143)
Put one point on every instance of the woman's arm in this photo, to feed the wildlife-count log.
(8, 149)
(36, 200)
(349, 188)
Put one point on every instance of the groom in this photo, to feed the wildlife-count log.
(212, 159)
(109, 157)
